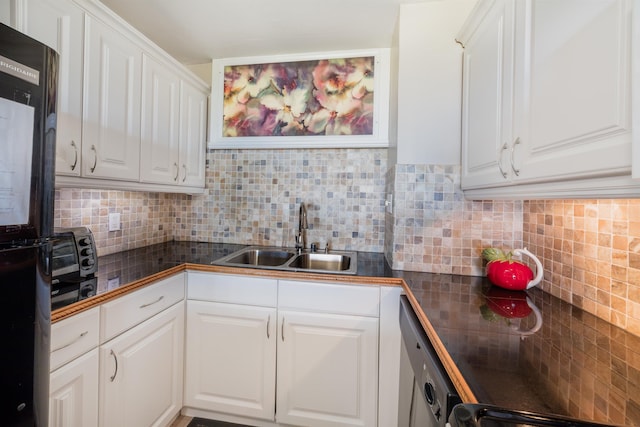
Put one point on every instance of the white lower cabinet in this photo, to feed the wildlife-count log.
(73, 393)
(230, 352)
(327, 354)
(327, 369)
(142, 356)
(254, 351)
(120, 363)
(288, 353)
(141, 372)
(231, 356)
(73, 383)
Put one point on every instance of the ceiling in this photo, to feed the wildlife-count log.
(196, 31)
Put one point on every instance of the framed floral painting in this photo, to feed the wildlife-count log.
(336, 99)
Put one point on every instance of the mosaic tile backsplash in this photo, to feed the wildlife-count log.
(590, 249)
(434, 229)
(254, 196)
(251, 197)
(145, 218)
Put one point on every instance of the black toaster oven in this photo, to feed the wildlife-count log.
(74, 253)
(74, 264)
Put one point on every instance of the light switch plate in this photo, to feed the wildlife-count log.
(114, 221)
(389, 203)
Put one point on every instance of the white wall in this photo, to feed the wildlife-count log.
(429, 81)
(392, 154)
(201, 70)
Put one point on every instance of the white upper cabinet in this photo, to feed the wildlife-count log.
(547, 99)
(488, 82)
(130, 117)
(577, 117)
(111, 133)
(160, 123)
(60, 25)
(174, 113)
(193, 135)
(5, 13)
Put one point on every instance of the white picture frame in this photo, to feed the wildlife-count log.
(378, 137)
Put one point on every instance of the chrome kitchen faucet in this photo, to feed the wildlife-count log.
(303, 225)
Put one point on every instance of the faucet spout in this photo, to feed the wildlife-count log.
(303, 225)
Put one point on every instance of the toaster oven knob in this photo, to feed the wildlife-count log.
(87, 292)
(84, 242)
(86, 251)
(88, 262)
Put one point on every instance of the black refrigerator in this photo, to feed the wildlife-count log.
(28, 81)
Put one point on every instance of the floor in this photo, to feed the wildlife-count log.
(182, 421)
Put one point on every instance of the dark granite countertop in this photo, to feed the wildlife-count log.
(557, 359)
(125, 267)
(575, 364)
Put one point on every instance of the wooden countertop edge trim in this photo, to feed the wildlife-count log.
(454, 373)
(89, 303)
(280, 274)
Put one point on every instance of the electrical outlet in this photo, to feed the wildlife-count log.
(389, 203)
(113, 283)
(114, 221)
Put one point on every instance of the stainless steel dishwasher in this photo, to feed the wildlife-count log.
(427, 395)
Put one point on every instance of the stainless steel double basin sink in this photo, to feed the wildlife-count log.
(286, 259)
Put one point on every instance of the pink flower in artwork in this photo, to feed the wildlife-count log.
(342, 86)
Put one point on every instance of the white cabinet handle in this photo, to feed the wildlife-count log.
(154, 302)
(185, 173)
(115, 372)
(78, 338)
(95, 158)
(513, 148)
(75, 159)
(504, 147)
(282, 329)
(268, 324)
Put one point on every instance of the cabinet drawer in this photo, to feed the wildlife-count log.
(359, 300)
(74, 336)
(232, 289)
(123, 313)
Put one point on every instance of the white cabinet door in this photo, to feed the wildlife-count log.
(231, 359)
(6, 17)
(141, 372)
(193, 135)
(577, 94)
(73, 393)
(60, 25)
(73, 390)
(111, 132)
(327, 369)
(547, 99)
(160, 145)
(488, 91)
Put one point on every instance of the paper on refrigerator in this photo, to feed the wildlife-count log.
(16, 147)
